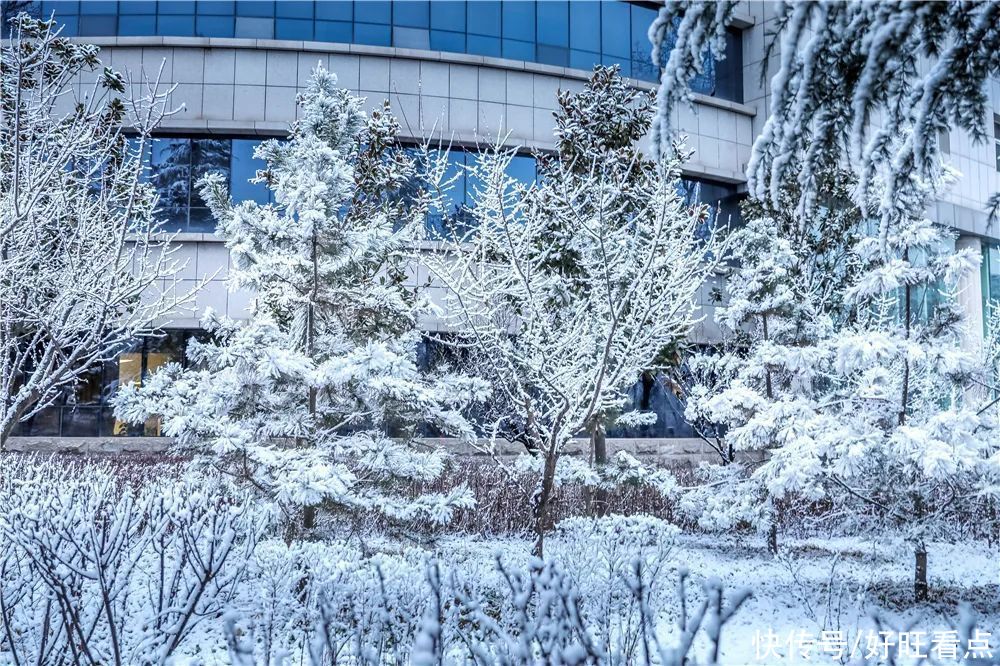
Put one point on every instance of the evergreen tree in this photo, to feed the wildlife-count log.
(317, 399)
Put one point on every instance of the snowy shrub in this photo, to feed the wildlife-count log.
(600, 555)
(93, 570)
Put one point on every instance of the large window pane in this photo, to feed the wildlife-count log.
(98, 7)
(293, 29)
(411, 38)
(372, 34)
(208, 156)
(519, 20)
(295, 9)
(642, 65)
(175, 26)
(553, 23)
(175, 7)
(215, 26)
(615, 32)
(137, 7)
(373, 12)
(485, 46)
(334, 31)
(518, 50)
(484, 18)
(448, 16)
(335, 10)
(255, 8)
(137, 26)
(251, 27)
(216, 7)
(244, 168)
(98, 26)
(585, 26)
(170, 173)
(442, 40)
(411, 13)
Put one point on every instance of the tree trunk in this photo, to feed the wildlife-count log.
(542, 502)
(772, 530)
(309, 516)
(598, 497)
(920, 587)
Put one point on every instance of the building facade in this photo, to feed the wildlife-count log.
(461, 71)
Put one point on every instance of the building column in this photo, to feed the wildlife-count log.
(970, 296)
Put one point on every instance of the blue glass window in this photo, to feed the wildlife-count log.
(552, 55)
(335, 10)
(137, 26)
(294, 9)
(175, 7)
(170, 173)
(448, 16)
(372, 34)
(293, 29)
(583, 59)
(99, 7)
(372, 12)
(334, 31)
(411, 13)
(182, 26)
(411, 38)
(214, 26)
(615, 29)
(60, 7)
(98, 25)
(216, 8)
(518, 50)
(251, 27)
(244, 167)
(519, 20)
(484, 18)
(553, 23)
(252, 8)
(442, 40)
(642, 65)
(485, 46)
(585, 26)
(137, 7)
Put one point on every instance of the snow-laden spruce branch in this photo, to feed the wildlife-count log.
(83, 268)
(872, 85)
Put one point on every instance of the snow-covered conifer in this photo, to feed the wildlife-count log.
(317, 399)
(863, 398)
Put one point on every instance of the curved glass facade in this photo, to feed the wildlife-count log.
(576, 34)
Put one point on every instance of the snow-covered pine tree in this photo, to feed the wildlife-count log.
(569, 288)
(918, 69)
(784, 293)
(84, 269)
(870, 403)
(317, 399)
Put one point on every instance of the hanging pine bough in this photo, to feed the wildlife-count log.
(915, 69)
(317, 398)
